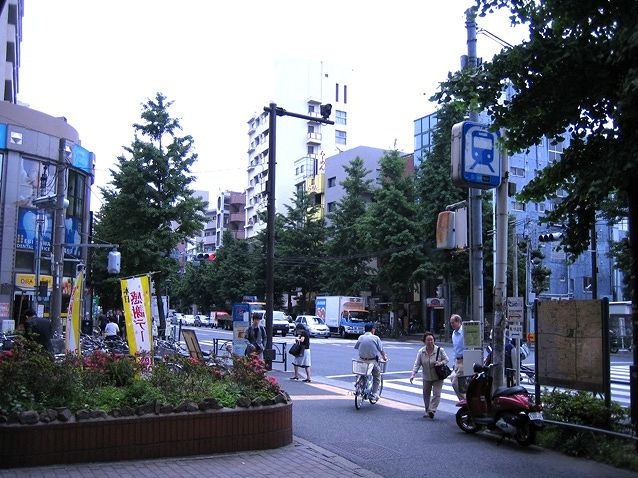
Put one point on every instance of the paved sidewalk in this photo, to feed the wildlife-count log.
(300, 458)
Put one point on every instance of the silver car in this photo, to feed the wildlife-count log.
(315, 326)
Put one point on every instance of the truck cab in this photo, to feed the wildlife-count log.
(353, 322)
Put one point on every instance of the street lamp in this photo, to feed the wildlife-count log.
(274, 111)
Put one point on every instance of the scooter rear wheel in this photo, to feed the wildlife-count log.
(465, 422)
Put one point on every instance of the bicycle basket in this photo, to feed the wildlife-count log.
(382, 365)
(361, 367)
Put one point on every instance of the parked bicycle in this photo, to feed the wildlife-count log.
(381, 329)
(363, 384)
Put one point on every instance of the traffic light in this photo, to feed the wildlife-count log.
(325, 111)
(206, 256)
(550, 237)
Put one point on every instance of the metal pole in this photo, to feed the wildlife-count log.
(57, 266)
(38, 237)
(270, 231)
(475, 205)
(594, 265)
(500, 280)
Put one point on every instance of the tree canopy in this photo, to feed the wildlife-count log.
(149, 208)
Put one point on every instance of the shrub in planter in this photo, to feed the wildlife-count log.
(583, 408)
(33, 381)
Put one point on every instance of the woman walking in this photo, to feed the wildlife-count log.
(427, 357)
(302, 360)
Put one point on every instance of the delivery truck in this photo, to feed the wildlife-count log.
(346, 316)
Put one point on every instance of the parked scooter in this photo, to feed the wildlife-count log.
(509, 411)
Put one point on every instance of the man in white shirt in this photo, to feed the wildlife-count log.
(111, 331)
(370, 348)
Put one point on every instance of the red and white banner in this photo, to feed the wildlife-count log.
(136, 298)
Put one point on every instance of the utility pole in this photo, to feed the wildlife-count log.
(57, 265)
(474, 198)
(273, 111)
(500, 279)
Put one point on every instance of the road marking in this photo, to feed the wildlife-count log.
(342, 394)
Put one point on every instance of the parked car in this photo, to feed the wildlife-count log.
(279, 322)
(202, 320)
(315, 326)
(188, 319)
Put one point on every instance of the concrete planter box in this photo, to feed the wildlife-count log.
(147, 436)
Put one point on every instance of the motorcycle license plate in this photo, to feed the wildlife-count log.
(535, 415)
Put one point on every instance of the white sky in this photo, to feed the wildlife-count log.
(96, 62)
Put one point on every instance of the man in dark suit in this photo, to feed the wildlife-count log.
(39, 329)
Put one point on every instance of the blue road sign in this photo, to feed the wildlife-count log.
(476, 161)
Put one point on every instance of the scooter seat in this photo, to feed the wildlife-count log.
(509, 391)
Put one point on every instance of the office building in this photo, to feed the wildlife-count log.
(302, 145)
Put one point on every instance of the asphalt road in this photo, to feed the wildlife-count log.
(391, 438)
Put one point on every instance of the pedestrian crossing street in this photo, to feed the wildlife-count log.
(400, 381)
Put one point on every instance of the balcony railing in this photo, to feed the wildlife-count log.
(314, 138)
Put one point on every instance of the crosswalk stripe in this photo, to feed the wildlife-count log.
(620, 392)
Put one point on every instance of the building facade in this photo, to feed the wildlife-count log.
(11, 12)
(37, 171)
(302, 145)
(45, 181)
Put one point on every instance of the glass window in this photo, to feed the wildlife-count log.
(520, 172)
(518, 206)
(340, 137)
(345, 94)
(341, 117)
(337, 92)
(311, 149)
(331, 206)
(332, 182)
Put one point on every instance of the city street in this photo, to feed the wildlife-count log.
(332, 358)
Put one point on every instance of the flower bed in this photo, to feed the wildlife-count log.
(146, 436)
(105, 408)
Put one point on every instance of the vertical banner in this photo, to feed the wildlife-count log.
(72, 335)
(136, 298)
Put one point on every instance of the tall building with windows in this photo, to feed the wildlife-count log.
(302, 145)
(567, 280)
(230, 216)
(11, 13)
(42, 166)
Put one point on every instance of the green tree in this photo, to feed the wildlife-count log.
(391, 229)
(346, 270)
(237, 271)
(575, 78)
(148, 208)
(435, 191)
(299, 248)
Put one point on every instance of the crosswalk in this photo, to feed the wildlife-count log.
(400, 381)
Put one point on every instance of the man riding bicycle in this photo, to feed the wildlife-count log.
(370, 349)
